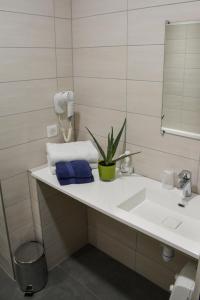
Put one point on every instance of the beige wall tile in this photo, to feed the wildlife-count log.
(23, 128)
(64, 62)
(62, 8)
(63, 33)
(5, 258)
(112, 247)
(17, 160)
(134, 4)
(114, 229)
(108, 62)
(18, 215)
(26, 96)
(152, 163)
(92, 118)
(145, 62)
(144, 97)
(145, 131)
(198, 182)
(153, 250)
(21, 30)
(154, 271)
(23, 63)
(21, 236)
(15, 189)
(105, 93)
(35, 205)
(40, 7)
(92, 31)
(147, 26)
(82, 8)
(59, 224)
(61, 250)
(65, 83)
(6, 264)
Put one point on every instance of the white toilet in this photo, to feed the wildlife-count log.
(184, 284)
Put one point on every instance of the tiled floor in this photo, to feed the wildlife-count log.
(89, 275)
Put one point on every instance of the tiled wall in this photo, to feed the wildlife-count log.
(60, 222)
(118, 54)
(36, 61)
(5, 258)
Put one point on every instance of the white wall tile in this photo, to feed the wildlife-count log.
(145, 62)
(82, 8)
(21, 30)
(106, 62)
(144, 97)
(105, 93)
(62, 8)
(26, 96)
(40, 7)
(63, 33)
(93, 31)
(23, 63)
(64, 62)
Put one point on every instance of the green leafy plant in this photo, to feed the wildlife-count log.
(112, 145)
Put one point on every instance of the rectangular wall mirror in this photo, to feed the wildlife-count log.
(181, 81)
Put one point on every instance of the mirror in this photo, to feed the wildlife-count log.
(181, 80)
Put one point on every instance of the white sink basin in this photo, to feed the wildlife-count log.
(160, 207)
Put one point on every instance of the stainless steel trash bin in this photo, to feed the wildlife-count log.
(31, 267)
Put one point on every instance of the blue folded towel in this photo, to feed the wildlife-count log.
(74, 172)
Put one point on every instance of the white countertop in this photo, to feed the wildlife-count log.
(105, 197)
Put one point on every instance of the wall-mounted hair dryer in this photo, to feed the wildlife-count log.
(64, 108)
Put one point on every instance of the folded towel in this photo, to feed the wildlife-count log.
(53, 168)
(76, 172)
(68, 181)
(84, 150)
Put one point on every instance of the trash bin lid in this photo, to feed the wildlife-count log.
(29, 252)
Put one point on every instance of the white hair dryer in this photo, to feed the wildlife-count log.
(64, 108)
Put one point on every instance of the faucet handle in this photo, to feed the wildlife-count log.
(185, 174)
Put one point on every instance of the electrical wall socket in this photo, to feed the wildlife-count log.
(52, 130)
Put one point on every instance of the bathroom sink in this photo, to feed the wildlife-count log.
(161, 207)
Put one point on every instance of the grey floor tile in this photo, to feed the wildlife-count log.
(109, 279)
(88, 275)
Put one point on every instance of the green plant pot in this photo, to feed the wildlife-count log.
(106, 173)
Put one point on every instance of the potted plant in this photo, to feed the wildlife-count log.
(107, 166)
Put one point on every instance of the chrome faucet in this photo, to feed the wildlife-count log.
(185, 183)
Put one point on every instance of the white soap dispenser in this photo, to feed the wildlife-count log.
(126, 164)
